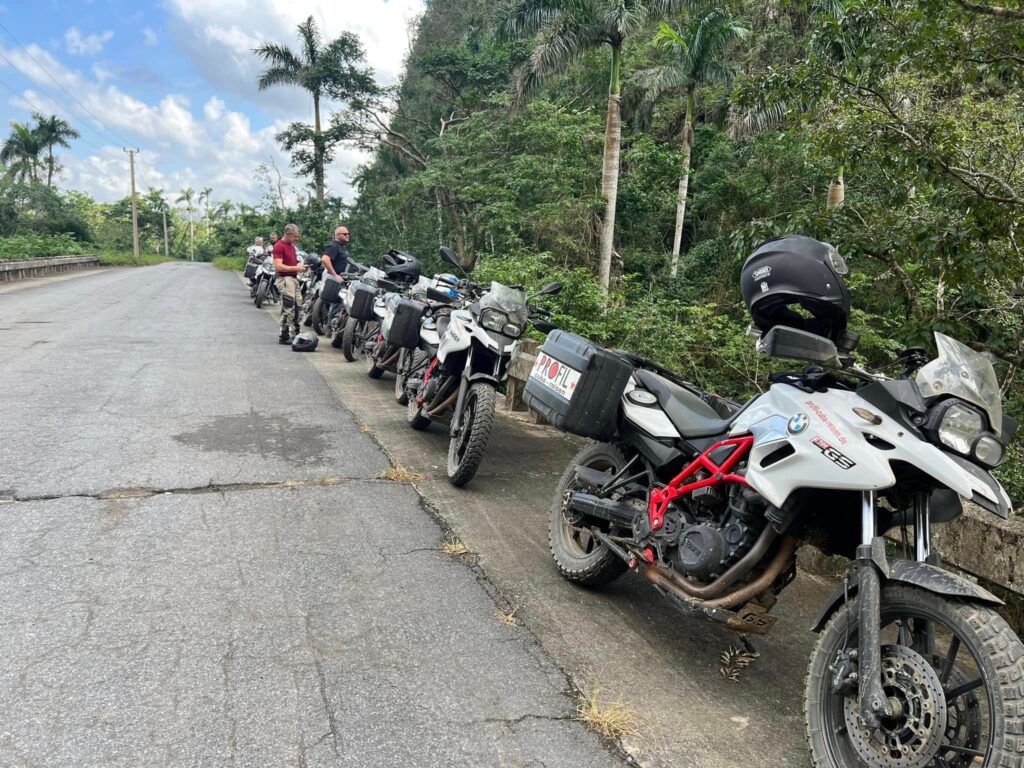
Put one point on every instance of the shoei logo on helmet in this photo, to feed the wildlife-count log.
(764, 288)
(798, 424)
(762, 273)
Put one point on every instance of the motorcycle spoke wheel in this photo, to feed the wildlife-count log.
(946, 667)
(579, 556)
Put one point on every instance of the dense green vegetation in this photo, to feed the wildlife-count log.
(893, 129)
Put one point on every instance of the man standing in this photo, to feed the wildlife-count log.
(287, 267)
(273, 241)
(335, 256)
(256, 254)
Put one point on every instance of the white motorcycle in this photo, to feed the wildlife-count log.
(709, 501)
(475, 347)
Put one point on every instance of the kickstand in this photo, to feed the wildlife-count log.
(748, 645)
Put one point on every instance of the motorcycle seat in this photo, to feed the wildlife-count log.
(685, 409)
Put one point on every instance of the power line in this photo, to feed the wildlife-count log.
(111, 131)
(37, 108)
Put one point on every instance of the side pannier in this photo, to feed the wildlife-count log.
(331, 291)
(359, 301)
(401, 326)
(577, 385)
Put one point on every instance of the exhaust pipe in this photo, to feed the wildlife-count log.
(616, 512)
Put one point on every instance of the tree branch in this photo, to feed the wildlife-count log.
(992, 10)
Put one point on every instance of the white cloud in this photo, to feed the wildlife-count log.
(149, 37)
(213, 109)
(101, 73)
(89, 45)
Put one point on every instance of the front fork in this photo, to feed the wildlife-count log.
(872, 564)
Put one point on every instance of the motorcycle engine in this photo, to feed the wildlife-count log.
(712, 532)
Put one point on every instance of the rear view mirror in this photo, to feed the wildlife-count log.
(794, 344)
(448, 255)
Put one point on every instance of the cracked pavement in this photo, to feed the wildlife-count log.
(200, 568)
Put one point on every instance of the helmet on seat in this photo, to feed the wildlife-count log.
(402, 267)
(796, 281)
(305, 342)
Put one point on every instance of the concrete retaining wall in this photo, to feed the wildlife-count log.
(978, 543)
(18, 270)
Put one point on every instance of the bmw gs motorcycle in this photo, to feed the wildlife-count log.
(475, 346)
(313, 312)
(708, 501)
(264, 285)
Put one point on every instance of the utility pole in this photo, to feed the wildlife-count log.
(167, 250)
(135, 210)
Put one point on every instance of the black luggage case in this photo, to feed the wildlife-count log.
(359, 301)
(404, 329)
(250, 270)
(331, 291)
(577, 385)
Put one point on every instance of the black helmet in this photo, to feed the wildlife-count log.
(305, 342)
(791, 272)
(402, 267)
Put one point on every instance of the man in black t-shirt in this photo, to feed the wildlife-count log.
(335, 256)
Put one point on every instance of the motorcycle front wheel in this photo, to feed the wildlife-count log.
(261, 294)
(952, 671)
(466, 450)
(319, 315)
(352, 339)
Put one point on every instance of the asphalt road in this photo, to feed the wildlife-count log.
(198, 566)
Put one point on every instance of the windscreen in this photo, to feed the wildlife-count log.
(511, 301)
(961, 372)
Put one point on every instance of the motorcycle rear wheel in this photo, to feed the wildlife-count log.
(965, 648)
(375, 370)
(579, 556)
(466, 450)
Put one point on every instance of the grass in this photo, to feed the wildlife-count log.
(455, 548)
(230, 263)
(613, 718)
(401, 475)
(508, 618)
(127, 259)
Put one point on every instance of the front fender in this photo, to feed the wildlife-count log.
(923, 575)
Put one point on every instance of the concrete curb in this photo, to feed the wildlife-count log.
(24, 268)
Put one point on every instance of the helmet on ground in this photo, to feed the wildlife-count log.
(797, 281)
(305, 342)
(402, 267)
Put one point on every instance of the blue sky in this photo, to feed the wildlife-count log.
(176, 80)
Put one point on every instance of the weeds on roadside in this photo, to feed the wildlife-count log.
(612, 718)
(455, 548)
(508, 618)
(401, 475)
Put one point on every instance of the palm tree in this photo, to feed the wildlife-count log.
(567, 29)
(186, 196)
(51, 131)
(20, 152)
(204, 200)
(696, 53)
(322, 70)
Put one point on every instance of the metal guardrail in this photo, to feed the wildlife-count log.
(24, 268)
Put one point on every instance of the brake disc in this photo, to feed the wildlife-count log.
(912, 737)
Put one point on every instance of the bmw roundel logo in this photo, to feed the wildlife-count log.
(798, 423)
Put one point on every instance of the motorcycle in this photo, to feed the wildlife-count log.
(265, 287)
(366, 302)
(470, 363)
(400, 327)
(708, 500)
(313, 312)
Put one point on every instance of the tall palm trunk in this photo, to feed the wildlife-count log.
(318, 151)
(684, 185)
(49, 168)
(610, 172)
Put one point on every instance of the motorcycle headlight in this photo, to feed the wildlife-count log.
(988, 451)
(960, 427)
(493, 320)
(512, 330)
